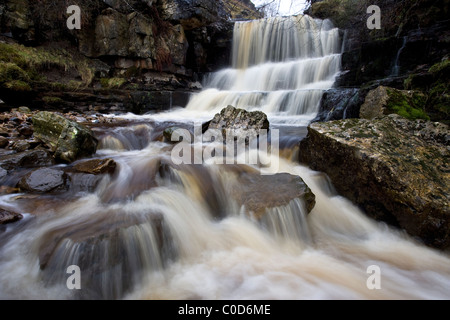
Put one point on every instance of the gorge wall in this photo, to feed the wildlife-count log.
(127, 55)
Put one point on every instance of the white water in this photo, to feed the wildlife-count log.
(166, 232)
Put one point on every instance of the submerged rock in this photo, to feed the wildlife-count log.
(256, 192)
(397, 170)
(9, 217)
(68, 139)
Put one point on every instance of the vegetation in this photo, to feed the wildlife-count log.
(112, 83)
(408, 106)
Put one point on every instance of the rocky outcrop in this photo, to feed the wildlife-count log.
(67, 139)
(239, 121)
(397, 170)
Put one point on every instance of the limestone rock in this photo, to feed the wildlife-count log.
(241, 121)
(384, 100)
(68, 139)
(397, 170)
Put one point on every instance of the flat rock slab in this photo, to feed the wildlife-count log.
(96, 166)
(43, 180)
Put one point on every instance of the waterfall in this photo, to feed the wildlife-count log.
(156, 230)
(280, 66)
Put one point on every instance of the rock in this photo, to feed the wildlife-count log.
(4, 132)
(4, 142)
(3, 173)
(396, 170)
(256, 192)
(67, 139)
(383, 101)
(340, 103)
(89, 240)
(43, 180)
(25, 130)
(27, 159)
(24, 110)
(96, 166)
(20, 145)
(243, 123)
(9, 217)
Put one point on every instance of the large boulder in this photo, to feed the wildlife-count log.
(397, 170)
(67, 139)
(240, 121)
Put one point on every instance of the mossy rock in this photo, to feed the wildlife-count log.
(384, 100)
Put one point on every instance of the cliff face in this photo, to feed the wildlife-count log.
(414, 37)
(163, 44)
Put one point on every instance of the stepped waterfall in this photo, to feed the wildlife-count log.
(156, 230)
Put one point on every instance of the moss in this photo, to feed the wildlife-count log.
(35, 60)
(52, 100)
(11, 71)
(18, 85)
(112, 83)
(408, 106)
(441, 67)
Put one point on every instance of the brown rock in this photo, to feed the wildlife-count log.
(4, 142)
(9, 217)
(96, 166)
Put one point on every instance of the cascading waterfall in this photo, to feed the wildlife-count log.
(280, 66)
(155, 230)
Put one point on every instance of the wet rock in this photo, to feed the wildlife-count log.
(96, 166)
(9, 217)
(256, 192)
(107, 245)
(4, 132)
(67, 139)
(24, 110)
(25, 130)
(242, 122)
(4, 142)
(340, 103)
(396, 170)
(20, 145)
(3, 173)
(27, 159)
(43, 180)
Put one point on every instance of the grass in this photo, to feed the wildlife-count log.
(28, 64)
(112, 83)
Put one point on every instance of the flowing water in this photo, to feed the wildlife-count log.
(156, 230)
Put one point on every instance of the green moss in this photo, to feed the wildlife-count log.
(18, 85)
(112, 83)
(52, 100)
(408, 106)
(441, 67)
(11, 71)
(35, 60)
